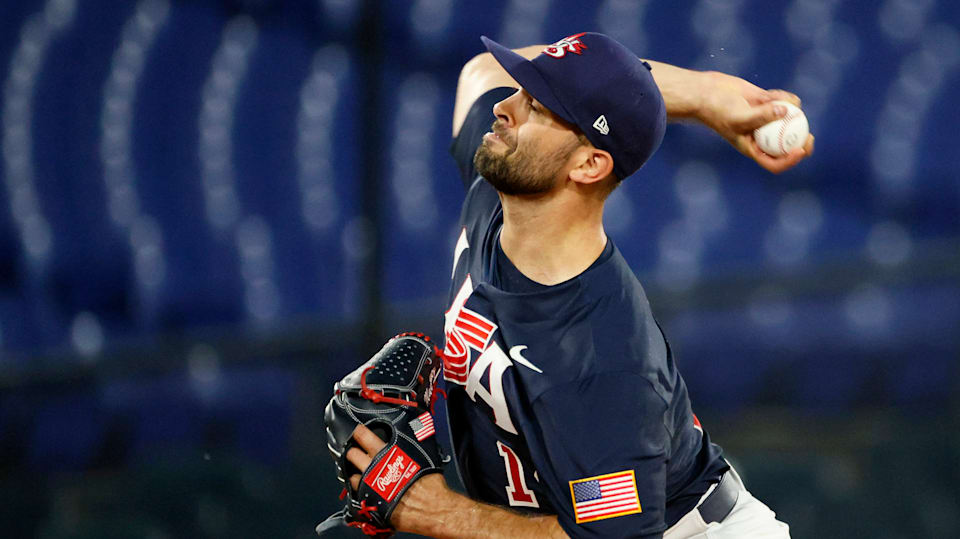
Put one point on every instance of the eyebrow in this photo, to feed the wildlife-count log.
(529, 96)
(541, 109)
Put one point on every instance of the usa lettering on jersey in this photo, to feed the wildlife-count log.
(496, 361)
(470, 330)
(456, 354)
(466, 330)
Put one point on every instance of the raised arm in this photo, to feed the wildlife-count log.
(729, 105)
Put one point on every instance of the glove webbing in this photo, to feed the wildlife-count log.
(378, 397)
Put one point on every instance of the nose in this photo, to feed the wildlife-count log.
(500, 111)
(505, 111)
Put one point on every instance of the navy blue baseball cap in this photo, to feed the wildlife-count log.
(597, 84)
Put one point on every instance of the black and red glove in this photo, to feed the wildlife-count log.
(392, 394)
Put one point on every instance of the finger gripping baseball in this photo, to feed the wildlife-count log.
(391, 394)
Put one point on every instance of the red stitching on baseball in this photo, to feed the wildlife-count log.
(783, 127)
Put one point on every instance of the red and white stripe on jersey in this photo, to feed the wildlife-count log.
(456, 358)
(469, 330)
(474, 328)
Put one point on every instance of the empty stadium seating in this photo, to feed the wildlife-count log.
(171, 165)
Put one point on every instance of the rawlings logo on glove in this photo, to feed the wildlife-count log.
(399, 467)
(393, 395)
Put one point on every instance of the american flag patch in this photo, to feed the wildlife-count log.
(422, 426)
(605, 496)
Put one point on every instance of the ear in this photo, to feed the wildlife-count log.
(591, 165)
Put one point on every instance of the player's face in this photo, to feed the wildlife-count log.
(528, 147)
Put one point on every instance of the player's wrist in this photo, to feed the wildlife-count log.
(701, 84)
(717, 98)
(426, 506)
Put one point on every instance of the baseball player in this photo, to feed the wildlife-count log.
(567, 413)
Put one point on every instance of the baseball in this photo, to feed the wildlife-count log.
(781, 136)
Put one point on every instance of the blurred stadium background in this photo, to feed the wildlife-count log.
(211, 209)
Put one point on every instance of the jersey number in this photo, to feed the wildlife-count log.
(517, 492)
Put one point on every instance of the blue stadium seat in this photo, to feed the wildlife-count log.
(202, 285)
(88, 268)
(272, 152)
(417, 169)
(66, 432)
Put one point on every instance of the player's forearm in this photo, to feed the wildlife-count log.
(682, 89)
(469, 519)
(453, 515)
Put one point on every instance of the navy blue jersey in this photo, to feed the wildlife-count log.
(564, 399)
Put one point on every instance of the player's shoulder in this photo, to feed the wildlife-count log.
(625, 335)
(598, 324)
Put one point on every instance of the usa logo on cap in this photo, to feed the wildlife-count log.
(565, 45)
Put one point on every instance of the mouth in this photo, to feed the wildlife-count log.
(498, 134)
(493, 137)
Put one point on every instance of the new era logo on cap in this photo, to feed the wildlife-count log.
(601, 125)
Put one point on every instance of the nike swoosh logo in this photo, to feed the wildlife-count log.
(515, 355)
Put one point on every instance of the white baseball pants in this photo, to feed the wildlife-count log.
(749, 519)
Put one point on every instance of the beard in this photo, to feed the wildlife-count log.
(519, 171)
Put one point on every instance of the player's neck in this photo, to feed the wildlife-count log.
(554, 238)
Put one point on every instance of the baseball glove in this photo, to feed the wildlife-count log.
(393, 395)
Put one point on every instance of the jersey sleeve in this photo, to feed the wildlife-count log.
(603, 459)
(478, 122)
